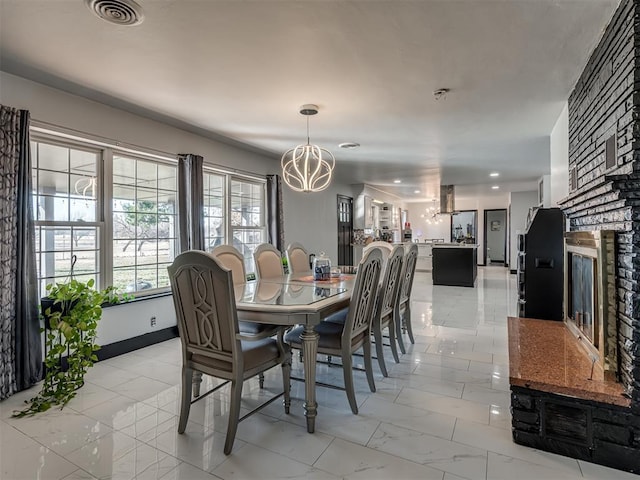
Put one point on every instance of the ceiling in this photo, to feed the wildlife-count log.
(240, 70)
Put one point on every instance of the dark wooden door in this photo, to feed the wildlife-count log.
(345, 230)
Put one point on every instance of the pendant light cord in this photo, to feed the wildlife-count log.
(308, 142)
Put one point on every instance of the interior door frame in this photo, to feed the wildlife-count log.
(339, 199)
(475, 224)
(486, 226)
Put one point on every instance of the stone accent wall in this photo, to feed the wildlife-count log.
(605, 102)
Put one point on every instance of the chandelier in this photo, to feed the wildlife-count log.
(307, 168)
(432, 214)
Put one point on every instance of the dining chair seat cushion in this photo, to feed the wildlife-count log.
(255, 353)
(338, 317)
(330, 335)
(254, 328)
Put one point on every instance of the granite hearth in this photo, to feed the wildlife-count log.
(561, 401)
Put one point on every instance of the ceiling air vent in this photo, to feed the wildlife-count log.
(118, 12)
(447, 200)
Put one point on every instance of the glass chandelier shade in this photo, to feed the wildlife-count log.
(432, 215)
(307, 168)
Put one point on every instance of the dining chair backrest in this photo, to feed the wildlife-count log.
(297, 258)
(205, 305)
(268, 260)
(385, 248)
(391, 283)
(232, 259)
(408, 271)
(363, 296)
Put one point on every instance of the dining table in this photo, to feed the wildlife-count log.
(296, 299)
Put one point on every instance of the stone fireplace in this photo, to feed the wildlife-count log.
(586, 402)
(604, 174)
(590, 296)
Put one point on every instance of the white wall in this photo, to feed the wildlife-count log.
(421, 229)
(559, 154)
(443, 230)
(520, 204)
(128, 320)
(311, 220)
(482, 203)
(73, 112)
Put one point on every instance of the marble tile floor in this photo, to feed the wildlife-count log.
(442, 414)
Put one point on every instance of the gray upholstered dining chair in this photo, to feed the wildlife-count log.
(204, 299)
(297, 258)
(380, 244)
(385, 249)
(403, 306)
(231, 258)
(268, 260)
(343, 339)
(387, 301)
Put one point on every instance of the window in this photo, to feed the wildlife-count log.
(214, 210)
(65, 186)
(234, 209)
(463, 226)
(121, 227)
(247, 218)
(115, 210)
(144, 223)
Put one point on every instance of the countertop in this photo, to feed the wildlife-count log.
(544, 355)
(455, 245)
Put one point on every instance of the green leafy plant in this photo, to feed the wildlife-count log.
(70, 328)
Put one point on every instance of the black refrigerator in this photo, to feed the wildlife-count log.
(541, 265)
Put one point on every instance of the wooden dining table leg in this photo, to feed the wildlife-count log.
(310, 349)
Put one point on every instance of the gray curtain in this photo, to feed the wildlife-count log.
(275, 216)
(20, 343)
(190, 202)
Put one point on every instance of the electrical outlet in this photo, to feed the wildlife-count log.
(153, 321)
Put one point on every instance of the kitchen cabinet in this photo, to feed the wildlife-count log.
(455, 264)
(368, 212)
(424, 262)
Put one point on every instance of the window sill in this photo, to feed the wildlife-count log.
(139, 299)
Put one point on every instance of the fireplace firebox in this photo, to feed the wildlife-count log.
(590, 303)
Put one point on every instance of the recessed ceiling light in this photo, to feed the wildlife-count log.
(397, 181)
(495, 187)
(416, 191)
(349, 145)
(494, 174)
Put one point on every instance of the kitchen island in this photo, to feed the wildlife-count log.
(455, 264)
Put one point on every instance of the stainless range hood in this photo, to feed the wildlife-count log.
(447, 200)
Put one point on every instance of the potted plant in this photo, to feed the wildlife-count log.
(71, 312)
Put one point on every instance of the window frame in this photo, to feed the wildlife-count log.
(106, 149)
(98, 223)
(137, 156)
(104, 198)
(230, 177)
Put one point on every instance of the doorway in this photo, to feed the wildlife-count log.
(345, 230)
(495, 237)
(463, 226)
